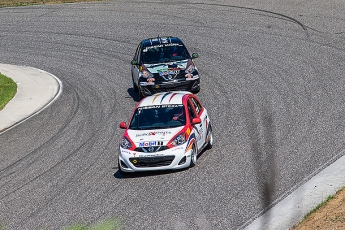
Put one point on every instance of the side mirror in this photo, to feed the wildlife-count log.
(123, 125)
(134, 62)
(195, 55)
(196, 120)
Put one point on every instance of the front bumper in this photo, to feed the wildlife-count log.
(169, 159)
(191, 86)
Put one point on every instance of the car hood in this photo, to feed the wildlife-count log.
(162, 67)
(165, 72)
(138, 136)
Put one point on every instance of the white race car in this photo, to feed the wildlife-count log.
(166, 131)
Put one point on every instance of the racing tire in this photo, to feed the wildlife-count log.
(140, 95)
(209, 137)
(193, 156)
(121, 171)
(135, 87)
(196, 91)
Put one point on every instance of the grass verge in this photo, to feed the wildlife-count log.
(111, 224)
(8, 88)
(317, 208)
(6, 3)
(330, 214)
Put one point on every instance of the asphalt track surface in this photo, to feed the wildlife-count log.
(272, 81)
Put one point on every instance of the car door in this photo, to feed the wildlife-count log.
(135, 68)
(197, 128)
(202, 114)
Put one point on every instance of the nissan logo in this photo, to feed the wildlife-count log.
(151, 149)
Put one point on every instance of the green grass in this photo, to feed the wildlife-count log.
(319, 206)
(8, 88)
(110, 224)
(315, 209)
(7, 3)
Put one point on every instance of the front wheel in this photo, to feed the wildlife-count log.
(135, 87)
(193, 156)
(140, 95)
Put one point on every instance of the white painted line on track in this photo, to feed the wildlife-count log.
(37, 89)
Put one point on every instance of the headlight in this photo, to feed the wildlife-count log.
(125, 143)
(179, 140)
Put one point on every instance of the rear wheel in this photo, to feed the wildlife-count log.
(209, 138)
(193, 156)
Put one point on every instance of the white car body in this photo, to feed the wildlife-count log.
(156, 149)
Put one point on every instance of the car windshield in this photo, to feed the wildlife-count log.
(158, 117)
(167, 53)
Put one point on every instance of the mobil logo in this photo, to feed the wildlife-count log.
(147, 143)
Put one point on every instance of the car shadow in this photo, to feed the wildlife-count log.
(133, 94)
(118, 175)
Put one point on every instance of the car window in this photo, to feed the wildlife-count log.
(151, 56)
(137, 52)
(197, 105)
(164, 53)
(158, 116)
(191, 111)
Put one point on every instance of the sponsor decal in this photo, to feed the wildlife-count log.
(190, 146)
(169, 73)
(148, 75)
(177, 148)
(163, 133)
(155, 155)
(160, 106)
(190, 141)
(190, 77)
(190, 69)
(150, 143)
(201, 133)
(160, 45)
(188, 131)
(150, 81)
(150, 107)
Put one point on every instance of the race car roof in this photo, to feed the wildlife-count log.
(165, 98)
(161, 41)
